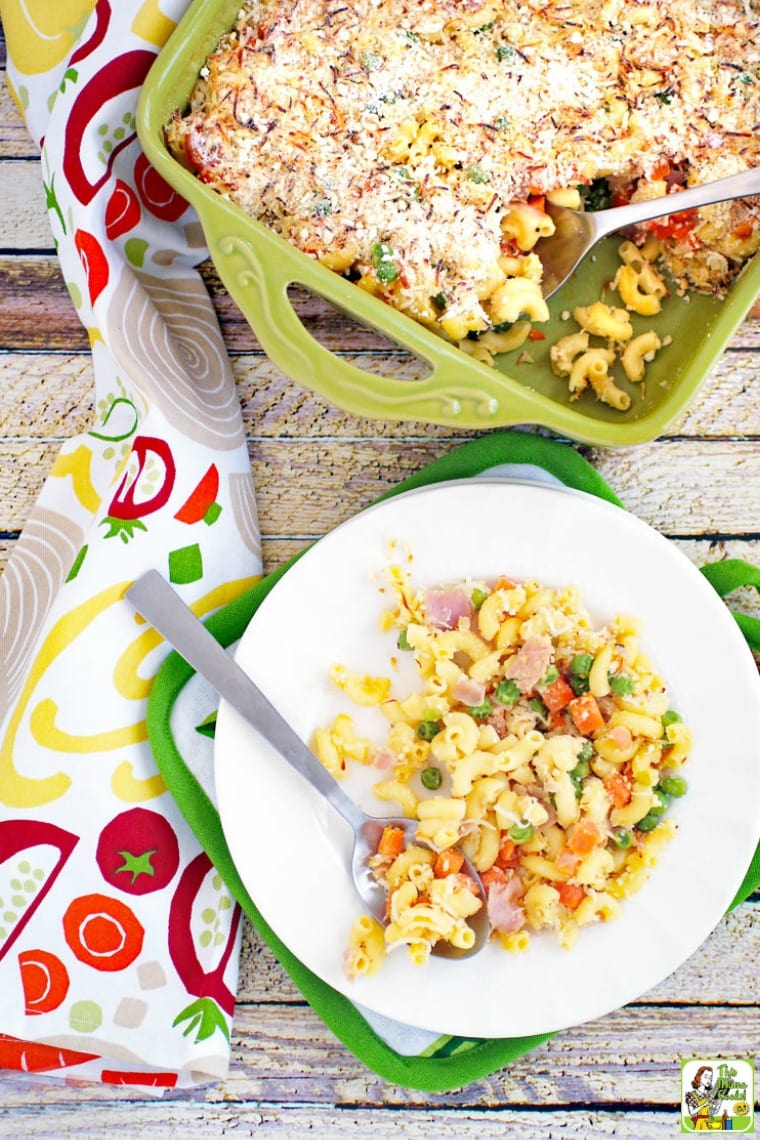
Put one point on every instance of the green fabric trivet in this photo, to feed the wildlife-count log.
(452, 1061)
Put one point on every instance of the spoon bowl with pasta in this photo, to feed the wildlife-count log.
(159, 604)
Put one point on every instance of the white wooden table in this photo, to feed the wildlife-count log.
(315, 466)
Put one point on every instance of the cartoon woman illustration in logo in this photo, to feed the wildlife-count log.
(702, 1102)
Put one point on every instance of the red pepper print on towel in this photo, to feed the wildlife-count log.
(126, 511)
(156, 194)
(202, 503)
(28, 881)
(123, 211)
(94, 261)
(119, 75)
(195, 935)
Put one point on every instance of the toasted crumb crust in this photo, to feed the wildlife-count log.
(389, 138)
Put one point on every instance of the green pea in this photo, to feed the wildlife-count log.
(481, 712)
(587, 751)
(581, 664)
(478, 596)
(428, 729)
(431, 778)
(521, 832)
(507, 692)
(622, 838)
(550, 676)
(581, 770)
(403, 640)
(538, 707)
(621, 684)
(674, 786)
(650, 820)
(578, 775)
(670, 717)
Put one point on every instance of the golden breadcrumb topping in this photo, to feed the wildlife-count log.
(391, 139)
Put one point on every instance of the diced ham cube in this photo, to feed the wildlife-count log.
(530, 663)
(469, 692)
(445, 606)
(504, 910)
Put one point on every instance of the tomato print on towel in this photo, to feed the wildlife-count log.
(96, 862)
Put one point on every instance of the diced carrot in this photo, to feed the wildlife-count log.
(559, 722)
(661, 169)
(538, 202)
(586, 714)
(504, 584)
(391, 842)
(584, 837)
(557, 696)
(678, 226)
(571, 895)
(536, 334)
(743, 230)
(448, 862)
(618, 789)
(508, 856)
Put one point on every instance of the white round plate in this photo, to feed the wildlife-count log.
(292, 850)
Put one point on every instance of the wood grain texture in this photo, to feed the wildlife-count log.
(315, 465)
(265, 1121)
(307, 486)
(50, 393)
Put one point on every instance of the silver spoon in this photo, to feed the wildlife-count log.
(155, 599)
(578, 230)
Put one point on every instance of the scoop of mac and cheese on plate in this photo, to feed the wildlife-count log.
(539, 745)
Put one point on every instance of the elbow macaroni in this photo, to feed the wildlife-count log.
(562, 816)
(448, 197)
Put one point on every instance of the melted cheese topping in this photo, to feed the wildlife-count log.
(388, 138)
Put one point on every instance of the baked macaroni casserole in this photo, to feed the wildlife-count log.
(542, 747)
(412, 145)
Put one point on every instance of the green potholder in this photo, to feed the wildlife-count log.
(450, 1062)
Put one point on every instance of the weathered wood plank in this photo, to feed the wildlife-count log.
(307, 486)
(629, 1056)
(23, 220)
(713, 490)
(49, 394)
(15, 141)
(176, 1119)
(285, 1055)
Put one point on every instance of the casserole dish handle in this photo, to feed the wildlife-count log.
(258, 272)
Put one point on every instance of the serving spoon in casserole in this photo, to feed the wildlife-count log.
(577, 231)
(153, 597)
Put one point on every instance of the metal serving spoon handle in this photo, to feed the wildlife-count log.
(578, 230)
(153, 597)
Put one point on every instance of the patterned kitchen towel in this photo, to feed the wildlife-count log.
(118, 941)
(181, 703)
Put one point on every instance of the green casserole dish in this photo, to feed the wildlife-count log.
(257, 267)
